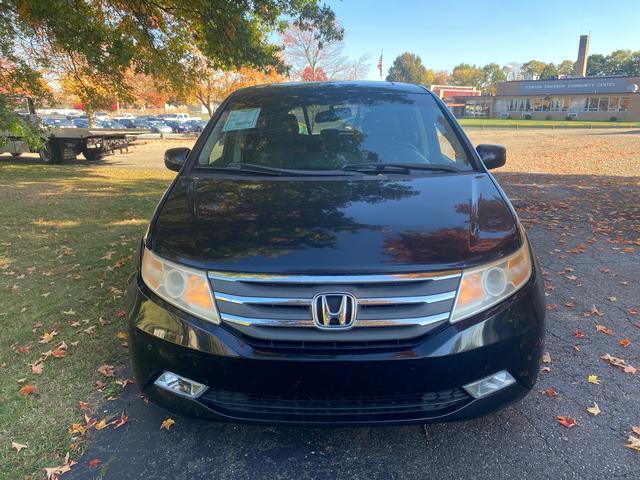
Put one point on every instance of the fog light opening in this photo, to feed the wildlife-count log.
(180, 385)
(488, 385)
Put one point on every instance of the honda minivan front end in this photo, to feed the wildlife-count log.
(335, 254)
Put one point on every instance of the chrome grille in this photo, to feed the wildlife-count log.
(278, 307)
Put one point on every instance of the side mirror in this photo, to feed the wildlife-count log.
(493, 156)
(174, 158)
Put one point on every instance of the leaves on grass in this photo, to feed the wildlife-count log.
(567, 422)
(594, 410)
(18, 446)
(55, 472)
(37, 368)
(84, 406)
(28, 390)
(106, 370)
(167, 424)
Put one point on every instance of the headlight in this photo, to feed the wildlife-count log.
(482, 287)
(184, 287)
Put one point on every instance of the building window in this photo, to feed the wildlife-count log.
(624, 104)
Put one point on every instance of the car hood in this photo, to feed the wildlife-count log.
(311, 224)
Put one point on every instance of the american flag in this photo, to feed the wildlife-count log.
(380, 64)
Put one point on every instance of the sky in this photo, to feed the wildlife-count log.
(446, 33)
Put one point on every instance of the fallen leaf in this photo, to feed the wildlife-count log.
(84, 406)
(593, 379)
(551, 392)
(633, 311)
(620, 363)
(121, 313)
(551, 306)
(77, 428)
(71, 311)
(59, 353)
(625, 342)
(635, 430)
(546, 357)
(567, 422)
(94, 463)
(579, 334)
(594, 410)
(122, 336)
(106, 370)
(120, 421)
(53, 473)
(28, 390)
(596, 311)
(603, 329)
(100, 385)
(101, 424)
(37, 368)
(633, 443)
(18, 446)
(167, 424)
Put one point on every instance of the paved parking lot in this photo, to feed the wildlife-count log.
(577, 192)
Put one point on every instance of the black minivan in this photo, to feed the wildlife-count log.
(335, 254)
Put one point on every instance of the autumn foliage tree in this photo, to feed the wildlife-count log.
(106, 39)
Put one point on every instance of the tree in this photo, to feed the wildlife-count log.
(307, 53)
(104, 37)
(566, 68)
(467, 75)
(533, 69)
(548, 72)
(493, 73)
(407, 68)
(311, 75)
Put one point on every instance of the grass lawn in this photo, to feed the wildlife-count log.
(68, 234)
(521, 123)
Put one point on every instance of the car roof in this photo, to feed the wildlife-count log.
(319, 87)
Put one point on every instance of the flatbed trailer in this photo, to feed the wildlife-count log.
(67, 143)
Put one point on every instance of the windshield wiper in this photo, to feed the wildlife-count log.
(398, 167)
(263, 170)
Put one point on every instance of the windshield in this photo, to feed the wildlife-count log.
(330, 128)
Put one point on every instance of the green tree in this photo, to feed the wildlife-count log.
(533, 69)
(567, 68)
(549, 71)
(408, 68)
(103, 38)
(469, 75)
(493, 74)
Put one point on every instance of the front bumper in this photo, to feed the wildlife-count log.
(384, 386)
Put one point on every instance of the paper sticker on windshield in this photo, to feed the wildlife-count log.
(241, 119)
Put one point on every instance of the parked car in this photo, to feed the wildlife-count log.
(101, 116)
(160, 127)
(81, 122)
(192, 126)
(125, 116)
(365, 270)
(58, 122)
(126, 122)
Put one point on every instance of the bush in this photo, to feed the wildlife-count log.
(613, 119)
(569, 118)
(526, 116)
